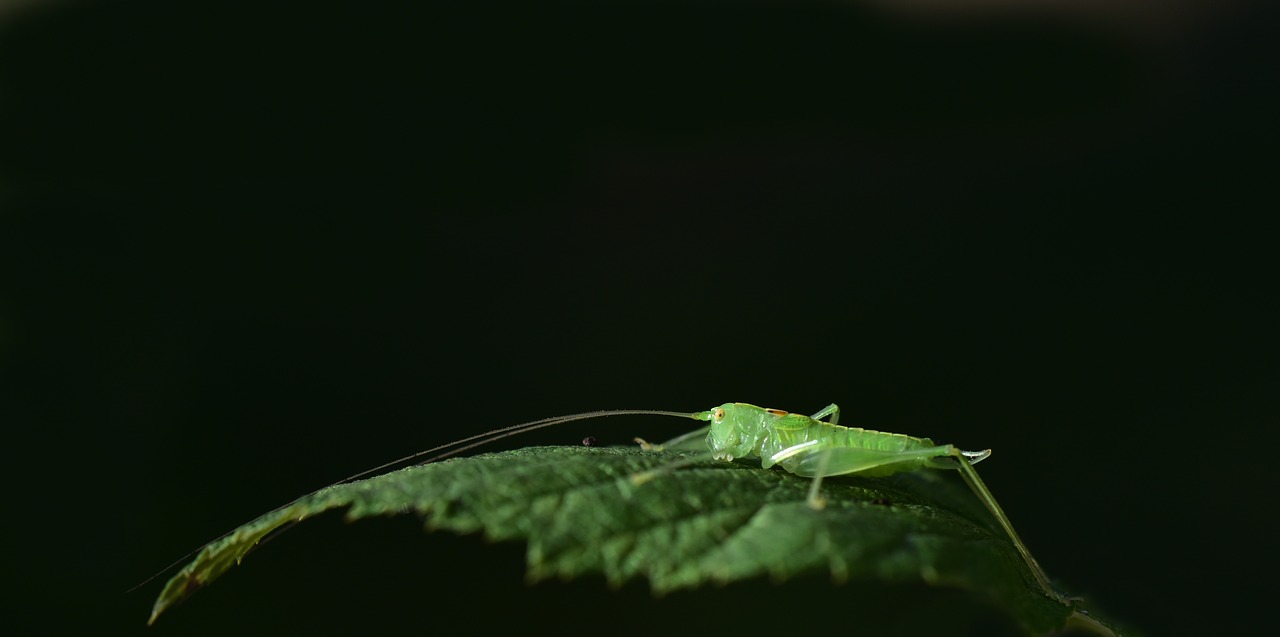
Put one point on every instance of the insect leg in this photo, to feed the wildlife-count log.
(975, 483)
(692, 441)
(832, 410)
(815, 499)
(845, 460)
(645, 476)
(811, 449)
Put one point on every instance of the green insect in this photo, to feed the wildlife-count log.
(813, 448)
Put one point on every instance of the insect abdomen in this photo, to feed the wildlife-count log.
(859, 438)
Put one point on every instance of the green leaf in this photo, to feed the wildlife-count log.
(712, 522)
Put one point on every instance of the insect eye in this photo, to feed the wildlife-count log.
(718, 414)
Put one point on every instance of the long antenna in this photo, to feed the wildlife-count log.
(505, 432)
(443, 451)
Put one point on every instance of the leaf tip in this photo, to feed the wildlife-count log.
(160, 606)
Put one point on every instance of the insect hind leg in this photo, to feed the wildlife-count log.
(964, 461)
(822, 463)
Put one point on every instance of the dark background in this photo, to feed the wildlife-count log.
(251, 249)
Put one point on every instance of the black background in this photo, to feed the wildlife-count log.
(252, 249)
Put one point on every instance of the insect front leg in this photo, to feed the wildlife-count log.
(692, 441)
(638, 479)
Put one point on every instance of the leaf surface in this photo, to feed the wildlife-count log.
(714, 522)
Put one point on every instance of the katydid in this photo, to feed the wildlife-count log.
(810, 447)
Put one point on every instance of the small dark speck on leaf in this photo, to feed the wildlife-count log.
(882, 502)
